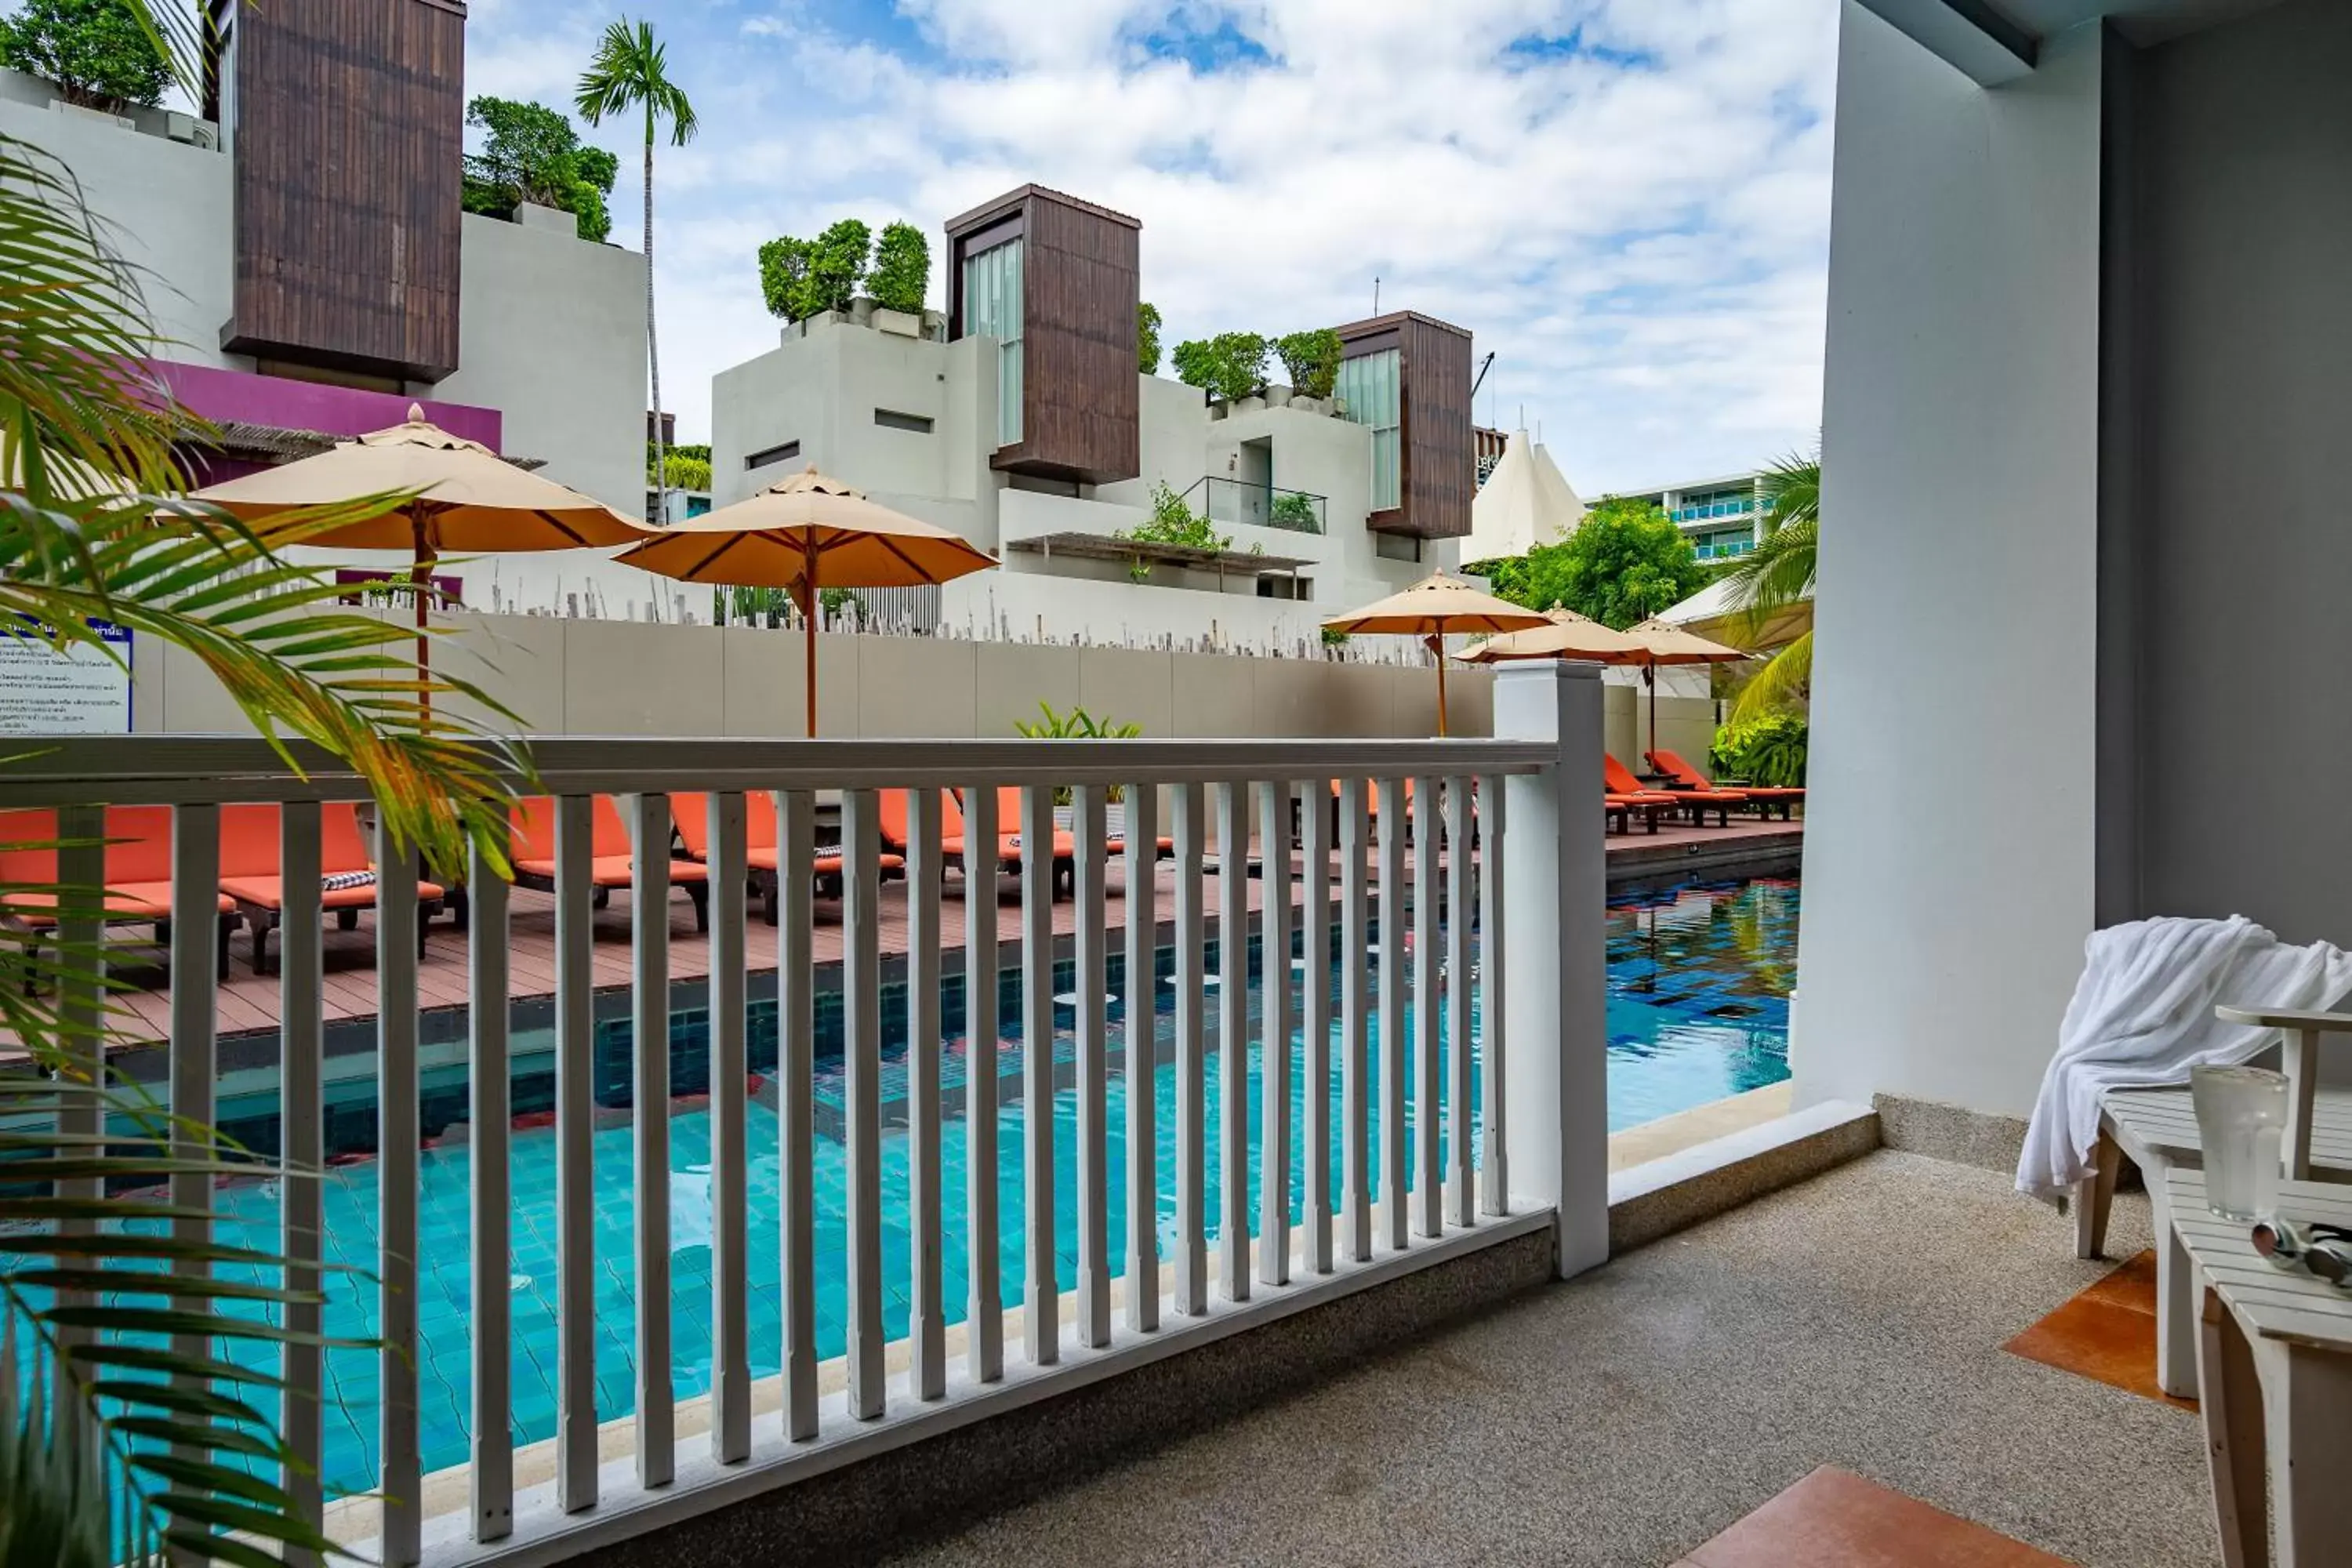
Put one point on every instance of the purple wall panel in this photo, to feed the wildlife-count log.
(223, 395)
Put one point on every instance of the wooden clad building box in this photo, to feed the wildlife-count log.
(1407, 376)
(1055, 280)
(348, 127)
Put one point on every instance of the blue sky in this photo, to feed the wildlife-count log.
(1626, 200)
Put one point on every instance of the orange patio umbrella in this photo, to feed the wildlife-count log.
(463, 500)
(1666, 642)
(805, 534)
(1564, 635)
(1429, 609)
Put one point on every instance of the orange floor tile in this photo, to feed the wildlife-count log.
(2107, 1333)
(1833, 1519)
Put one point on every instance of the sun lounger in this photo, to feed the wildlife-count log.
(691, 813)
(138, 873)
(1763, 798)
(250, 871)
(612, 862)
(1619, 780)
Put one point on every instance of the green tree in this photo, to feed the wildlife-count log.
(532, 155)
(1147, 338)
(630, 70)
(1778, 572)
(902, 268)
(1227, 366)
(105, 1460)
(1623, 563)
(805, 278)
(1311, 359)
(101, 54)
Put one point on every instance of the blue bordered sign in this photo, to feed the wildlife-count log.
(77, 690)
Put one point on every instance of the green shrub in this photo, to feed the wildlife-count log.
(1077, 724)
(1311, 359)
(1294, 510)
(804, 278)
(902, 268)
(1147, 338)
(1769, 752)
(94, 51)
(533, 155)
(1227, 366)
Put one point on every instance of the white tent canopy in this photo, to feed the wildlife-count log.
(1524, 502)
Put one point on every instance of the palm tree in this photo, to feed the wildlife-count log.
(632, 70)
(1778, 572)
(116, 1445)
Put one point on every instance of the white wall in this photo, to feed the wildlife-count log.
(1950, 848)
(552, 332)
(165, 206)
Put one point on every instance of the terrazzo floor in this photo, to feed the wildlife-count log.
(1628, 1418)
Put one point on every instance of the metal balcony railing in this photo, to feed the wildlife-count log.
(1222, 499)
(1379, 864)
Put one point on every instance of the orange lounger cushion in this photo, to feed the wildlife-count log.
(127, 902)
(1685, 776)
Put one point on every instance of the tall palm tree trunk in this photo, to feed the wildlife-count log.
(652, 343)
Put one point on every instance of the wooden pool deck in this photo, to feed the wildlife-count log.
(248, 1004)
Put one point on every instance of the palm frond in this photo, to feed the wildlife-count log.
(1785, 682)
(1792, 490)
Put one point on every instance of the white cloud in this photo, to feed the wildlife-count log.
(1638, 227)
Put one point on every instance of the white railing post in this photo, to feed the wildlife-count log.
(1557, 1105)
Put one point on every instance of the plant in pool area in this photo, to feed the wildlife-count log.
(101, 54)
(834, 602)
(902, 268)
(1228, 366)
(1769, 751)
(1625, 563)
(141, 1354)
(1311, 359)
(1077, 724)
(1780, 571)
(1147, 338)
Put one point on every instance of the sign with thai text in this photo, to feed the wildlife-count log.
(75, 690)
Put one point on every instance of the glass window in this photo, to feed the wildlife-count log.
(1369, 392)
(992, 308)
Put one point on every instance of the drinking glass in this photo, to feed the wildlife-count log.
(2240, 1119)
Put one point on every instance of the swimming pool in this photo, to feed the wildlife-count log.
(1699, 978)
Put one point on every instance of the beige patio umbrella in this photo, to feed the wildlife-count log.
(1429, 609)
(465, 500)
(1664, 643)
(803, 536)
(1566, 635)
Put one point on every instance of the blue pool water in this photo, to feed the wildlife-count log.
(1699, 978)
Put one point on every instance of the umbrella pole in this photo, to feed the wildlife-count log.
(1652, 673)
(808, 624)
(1439, 640)
(418, 577)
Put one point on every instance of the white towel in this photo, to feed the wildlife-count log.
(2143, 1015)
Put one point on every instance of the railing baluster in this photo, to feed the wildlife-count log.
(984, 1313)
(730, 1279)
(575, 1133)
(80, 991)
(861, 1010)
(1233, 1039)
(1094, 1073)
(1460, 852)
(195, 926)
(400, 1458)
(1392, 806)
(1191, 1069)
(927, 1324)
(1428, 943)
(488, 1129)
(796, 1128)
(1355, 1025)
(301, 1148)
(1496, 1194)
(1274, 1034)
(1142, 1058)
(649, 1125)
(1314, 988)
(1042, 1301)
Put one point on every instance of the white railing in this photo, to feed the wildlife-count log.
(1450, 817)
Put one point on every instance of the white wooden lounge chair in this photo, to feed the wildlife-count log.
(2158, 1129)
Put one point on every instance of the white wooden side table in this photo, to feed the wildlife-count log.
(2274, 1379)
